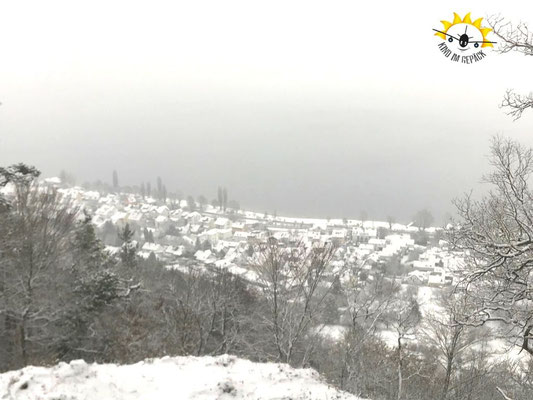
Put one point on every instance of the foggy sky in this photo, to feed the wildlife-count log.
(308, 108)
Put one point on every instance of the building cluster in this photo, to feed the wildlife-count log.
(187, 236)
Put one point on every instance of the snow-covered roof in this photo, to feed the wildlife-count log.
(221, 221)
(54, 180)
(156, 248)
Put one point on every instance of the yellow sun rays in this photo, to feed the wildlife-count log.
(466, 20)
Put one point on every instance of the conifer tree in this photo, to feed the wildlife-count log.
(220, 197)
(148, 235)
(191, 203)
(88, 251)
(128, 251)
(159, 188)
(115, 180)
(225, 198)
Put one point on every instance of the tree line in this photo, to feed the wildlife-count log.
(62, 297)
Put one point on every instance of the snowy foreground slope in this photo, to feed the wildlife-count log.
(176, 378)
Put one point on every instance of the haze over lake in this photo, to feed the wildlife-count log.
(363, 114)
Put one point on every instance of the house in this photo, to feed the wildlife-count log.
(206, 256)
(436, 278)
(188, 240)
(211, 235)
(421, 265)
(163, 210)
(225, 234)
(119, 218)
(162, 223)
(222, 223)
(106, 211)
(241, 236)
(313, 236)
(194, 217)
(136, 220)
(338, 236)
(360, 235)
(55, 181)
(176, 213)
(378, 244)
(149, 247)
(196, 229)
(170, 240)
(416, 278)
(207, 222)
(238, 226)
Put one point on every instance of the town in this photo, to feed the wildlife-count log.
(204, 236)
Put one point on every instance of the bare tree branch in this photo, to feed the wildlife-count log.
(513, 38)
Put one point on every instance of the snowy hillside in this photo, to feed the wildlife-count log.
(202, 378)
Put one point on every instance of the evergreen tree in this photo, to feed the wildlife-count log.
(98, 289)
(225, 198)
(88, 251)
(250, 250)
(159, 188)
(115, 180)
(151, 261)
(220, 197)
(197, 245)
(148, 235)
(191, 203)
(128, 252)
(63, 176)
(206, 245)
(109, 233)
(93, 290)
(21, 175)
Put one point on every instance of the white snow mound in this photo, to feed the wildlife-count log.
(201, 378)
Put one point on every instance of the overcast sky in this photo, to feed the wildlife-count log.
(310, 108)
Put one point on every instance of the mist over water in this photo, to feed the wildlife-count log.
(299, 120)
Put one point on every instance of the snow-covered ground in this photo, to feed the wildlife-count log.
(335, 333)
(201, 378)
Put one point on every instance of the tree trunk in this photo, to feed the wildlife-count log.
(447, 378)
(400, 377)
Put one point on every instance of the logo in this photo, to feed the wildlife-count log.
(464, 41)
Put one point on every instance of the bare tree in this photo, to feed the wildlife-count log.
(448, 338)
(513, 38)
(202, 201)
(404, 318)
(203, 314)
(368, 301)
(295, 281)
(423, 219)
(363, 216)
(34, 255)
(496, 235)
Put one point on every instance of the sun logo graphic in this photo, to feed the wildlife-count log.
(464, 41)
